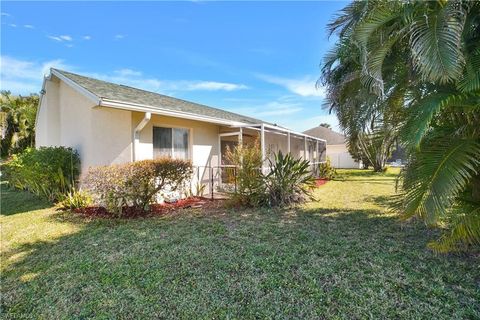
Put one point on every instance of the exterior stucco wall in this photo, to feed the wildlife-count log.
(203, 144)
(203, 138)
(340, 157)
(47, 131)
(111, 136)
(66, 118)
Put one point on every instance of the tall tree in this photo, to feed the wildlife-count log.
(18, 122)
(416, 65)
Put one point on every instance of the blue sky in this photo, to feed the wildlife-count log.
(261, 59)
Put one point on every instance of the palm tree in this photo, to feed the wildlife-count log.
(18, 122)
(416, 65)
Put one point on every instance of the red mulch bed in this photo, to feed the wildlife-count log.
(320, 182)
(155, 209)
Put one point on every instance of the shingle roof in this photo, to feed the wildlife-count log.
(331, 136)
(118, 92)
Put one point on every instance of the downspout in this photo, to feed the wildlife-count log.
(136, 134)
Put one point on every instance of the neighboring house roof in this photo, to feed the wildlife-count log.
(125, 94)
(331, 136)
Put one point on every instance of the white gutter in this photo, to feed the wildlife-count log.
(136, 133)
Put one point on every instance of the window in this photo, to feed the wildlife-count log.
(170, 142)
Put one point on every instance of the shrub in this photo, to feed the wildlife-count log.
(137, 183)
(289, 180)
(75, 199)
(49, 172)
(250, 180)
(326, 170)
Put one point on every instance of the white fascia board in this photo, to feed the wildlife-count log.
(155, 110)
(94, 98)
(265, 125)
(42, 93)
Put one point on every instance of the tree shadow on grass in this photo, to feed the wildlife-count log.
(383, 201)
(15, 201)
(367, 174)
(303, 262)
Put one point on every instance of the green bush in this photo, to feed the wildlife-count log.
(289, 180)
(137, 183)
(251, 188)
(326, 170)
(49, 172)
(75, 199)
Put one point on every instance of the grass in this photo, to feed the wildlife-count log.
(344, 256)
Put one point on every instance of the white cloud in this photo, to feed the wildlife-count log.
(311, 122)
(5, 14)
(213, 86)
(55, 38)
(305, 86)
(66, 38)
(128, 73)
(24, 77)
(61, 38)
(270, 109)
(28, 26)
(86, 37)
(136, 79)
(13, 25)
(119, 36)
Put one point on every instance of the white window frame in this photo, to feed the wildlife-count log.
(190, 145)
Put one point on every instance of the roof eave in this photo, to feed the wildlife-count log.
(94, 98)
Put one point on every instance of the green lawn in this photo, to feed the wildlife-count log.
(344, 256)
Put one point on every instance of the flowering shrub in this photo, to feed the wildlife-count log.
(49, 172)
(136, 184)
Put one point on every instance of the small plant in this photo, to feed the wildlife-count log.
(251, 188)
(326, 170)
(289, 180)
(49, 172)
(136, 184)
(75, 199)
(197, 191)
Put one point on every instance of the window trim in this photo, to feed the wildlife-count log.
(190, 138)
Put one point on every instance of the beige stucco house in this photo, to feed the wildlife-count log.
(337, 150)
(109, 123)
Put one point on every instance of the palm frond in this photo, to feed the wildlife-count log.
(436, 44)
(419, 121)
(372, 71)
(436, 175)
(379, 16)
(470, 82)
(465, 231)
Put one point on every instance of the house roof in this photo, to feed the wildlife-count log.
(125, 94)
(331, 136)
